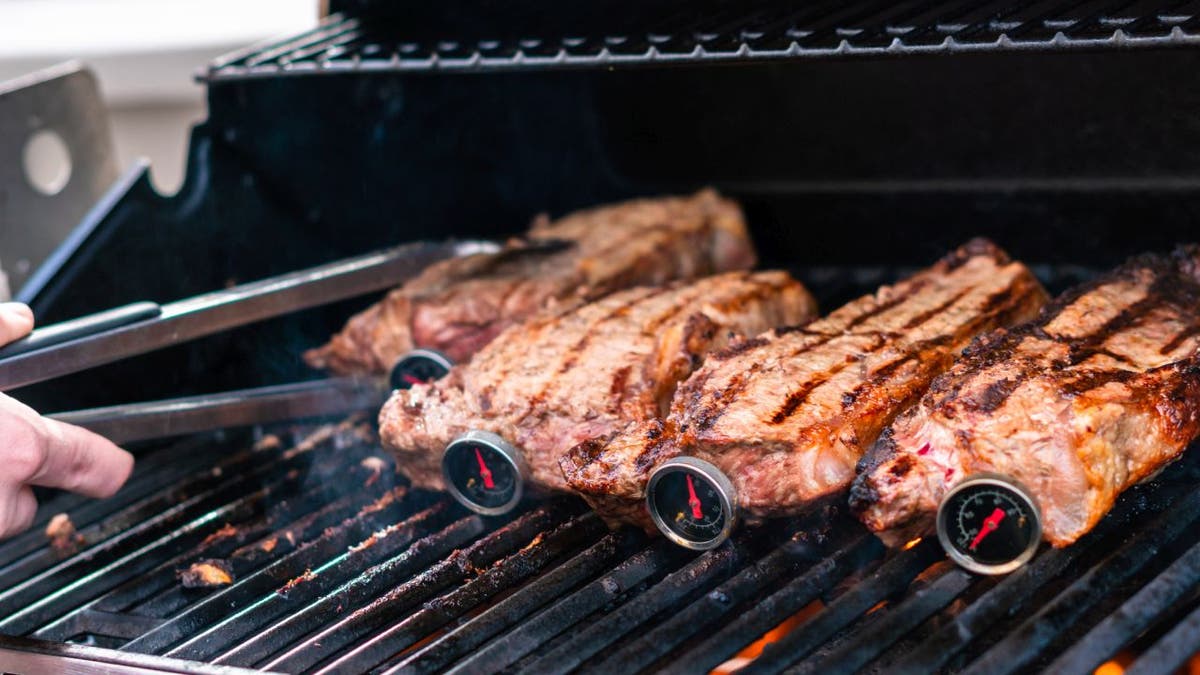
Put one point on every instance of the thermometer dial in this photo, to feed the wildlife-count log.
(417, 366)
(989, 524)
(692, 502)
(484, 472)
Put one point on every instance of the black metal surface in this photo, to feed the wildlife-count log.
(842, 162)
(482, 37)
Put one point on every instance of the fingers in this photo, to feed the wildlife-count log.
(17, 508)
(81, 461)
(16, 320)
(38, 451)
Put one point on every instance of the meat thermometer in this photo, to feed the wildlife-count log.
(989, 524)
(419, 366)
(692, 502)
(484, 472)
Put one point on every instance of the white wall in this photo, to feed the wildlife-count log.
(145, 53)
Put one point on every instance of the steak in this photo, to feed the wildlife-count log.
(1099, 392)
(787, 415)
(457, 306)
(584, 373)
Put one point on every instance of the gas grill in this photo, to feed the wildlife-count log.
(863, 138)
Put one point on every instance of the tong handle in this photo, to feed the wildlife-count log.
(206, 314)
(82, 327)
(207, 412)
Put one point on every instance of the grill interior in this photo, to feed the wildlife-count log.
(487, 36)
(339, 567)
(853, 171)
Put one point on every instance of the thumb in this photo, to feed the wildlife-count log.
(16, 320)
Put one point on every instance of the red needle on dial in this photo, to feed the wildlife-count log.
(693, 500)
(484, 472)
(989, 524)
(411, 379)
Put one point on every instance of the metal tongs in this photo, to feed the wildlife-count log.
(138, 328)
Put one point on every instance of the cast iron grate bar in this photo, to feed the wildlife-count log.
(890, 579)
(443, 651)
(96, 536)
(1135, 616)
(772, 610)
(39, 599)
(392, 606)
(712, 32)
(157, 593)
(1017, 590)
(1022, 646)
(867, 644)
(150, 474)
(700, 616)
(250, 589)
(1172, 650)
(561, 542)
(710, 567)
(318, 579)
(653, 561)
(357, 592)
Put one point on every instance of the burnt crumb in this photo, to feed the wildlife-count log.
(206, 574)
(268, 442)
(307, 576)
(391, 497)
(374, 466)
(368, 542)
(64, 540)
(225, 532)
(902, 465)
(848, 398)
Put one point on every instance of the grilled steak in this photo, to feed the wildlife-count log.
(555, 380)
(1098, 393)
(786, 415)
(458, 306)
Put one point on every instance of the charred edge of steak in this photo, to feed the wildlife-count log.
(1175, 283)
(978, 246)
(1182, 265)
(883, 448)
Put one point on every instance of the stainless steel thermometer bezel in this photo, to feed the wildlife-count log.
(716, 479)
(998, 481)
(511, 455)
(433, 355)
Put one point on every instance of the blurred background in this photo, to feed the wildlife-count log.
(145, 53)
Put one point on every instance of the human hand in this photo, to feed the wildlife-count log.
(16, 320)
(35, 450)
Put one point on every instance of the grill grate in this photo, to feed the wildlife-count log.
(666, 33)
(340, 569)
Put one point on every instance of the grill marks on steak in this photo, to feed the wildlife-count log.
(1098, 393)
(457, 306)
(787, 415)
(557, 380)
